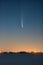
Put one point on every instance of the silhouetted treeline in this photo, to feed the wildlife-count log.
(21, 58)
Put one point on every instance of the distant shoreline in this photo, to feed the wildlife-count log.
(22, 52)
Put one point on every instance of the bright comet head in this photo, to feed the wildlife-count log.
(21, 23)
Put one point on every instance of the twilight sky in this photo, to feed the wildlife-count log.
(21, 25)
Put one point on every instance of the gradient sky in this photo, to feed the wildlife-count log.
(12, 36)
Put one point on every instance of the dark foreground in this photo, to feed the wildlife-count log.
(21, 58)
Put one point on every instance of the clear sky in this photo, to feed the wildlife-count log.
(21, 25)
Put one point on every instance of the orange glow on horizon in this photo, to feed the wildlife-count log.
(30, 51)
(18, 45)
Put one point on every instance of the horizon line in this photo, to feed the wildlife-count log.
(21, 52)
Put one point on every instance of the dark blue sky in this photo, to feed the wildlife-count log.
(11, 13)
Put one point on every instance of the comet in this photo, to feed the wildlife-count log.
(22, 23)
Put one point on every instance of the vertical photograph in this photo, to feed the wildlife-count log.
(21, 32)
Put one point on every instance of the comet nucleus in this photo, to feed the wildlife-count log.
(21, 23)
